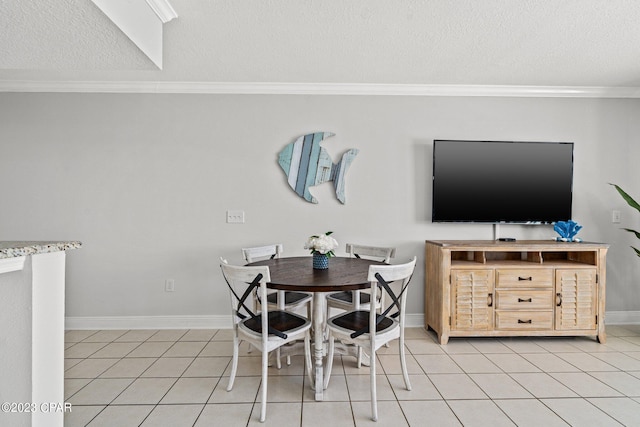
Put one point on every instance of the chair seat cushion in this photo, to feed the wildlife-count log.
(282, 321)
(347, 297)
(357, 320)
(290, 297)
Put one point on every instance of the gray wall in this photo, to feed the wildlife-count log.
(144, 181)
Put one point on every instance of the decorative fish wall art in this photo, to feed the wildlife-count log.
(307, 164)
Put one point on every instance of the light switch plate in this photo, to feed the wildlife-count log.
(615, 217)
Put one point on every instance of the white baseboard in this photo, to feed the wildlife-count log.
(224, 322)
(622, 318)
(173, 322)
(414, 320)
(148, 322)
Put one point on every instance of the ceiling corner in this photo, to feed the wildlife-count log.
(141, 21)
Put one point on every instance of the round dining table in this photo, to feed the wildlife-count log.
(298, 274)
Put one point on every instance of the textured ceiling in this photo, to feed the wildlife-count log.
(63, 35)
(435, 42)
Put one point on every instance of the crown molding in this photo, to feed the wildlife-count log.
(163, 9)
(362, 89)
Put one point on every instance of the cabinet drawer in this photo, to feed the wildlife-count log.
(526, 299)
(524, 278)
(524, 320)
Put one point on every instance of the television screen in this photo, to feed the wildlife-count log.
(502, 182)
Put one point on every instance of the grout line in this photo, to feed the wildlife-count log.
(410, 355)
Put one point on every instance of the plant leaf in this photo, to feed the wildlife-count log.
(637, 233)
(627, 198)
(637, 250)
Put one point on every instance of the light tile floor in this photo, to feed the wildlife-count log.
(178, 378)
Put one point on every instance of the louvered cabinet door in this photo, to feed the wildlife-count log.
(472, 300)
(576, 299)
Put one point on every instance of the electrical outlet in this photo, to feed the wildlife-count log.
(615, 217)
(169, 285)
(235, 217)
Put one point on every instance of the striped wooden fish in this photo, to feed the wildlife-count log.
(307, 164)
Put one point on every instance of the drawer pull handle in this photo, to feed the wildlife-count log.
(490, 300)
(526, 278)
(524, 300)
(558, 299)
(524, 321)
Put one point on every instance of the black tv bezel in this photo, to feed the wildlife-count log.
(515, 222)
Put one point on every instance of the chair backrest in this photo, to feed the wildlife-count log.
(371, 251)
(381, 277)
(241, 281)
(262, 252)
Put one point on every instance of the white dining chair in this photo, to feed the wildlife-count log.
(266, 330)
(354, 300)
(368, 329)
(284, 300)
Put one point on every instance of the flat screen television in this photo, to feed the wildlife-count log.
(502, 181)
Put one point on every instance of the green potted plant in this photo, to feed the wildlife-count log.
(634, 205)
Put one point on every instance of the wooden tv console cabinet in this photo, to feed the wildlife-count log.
(487, 288)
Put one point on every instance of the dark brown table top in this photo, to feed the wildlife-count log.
(297, 274)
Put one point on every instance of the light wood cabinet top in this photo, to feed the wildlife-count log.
(517, 245)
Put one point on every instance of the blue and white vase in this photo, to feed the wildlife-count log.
(320, 261)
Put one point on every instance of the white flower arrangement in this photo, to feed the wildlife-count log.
(322, 244)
